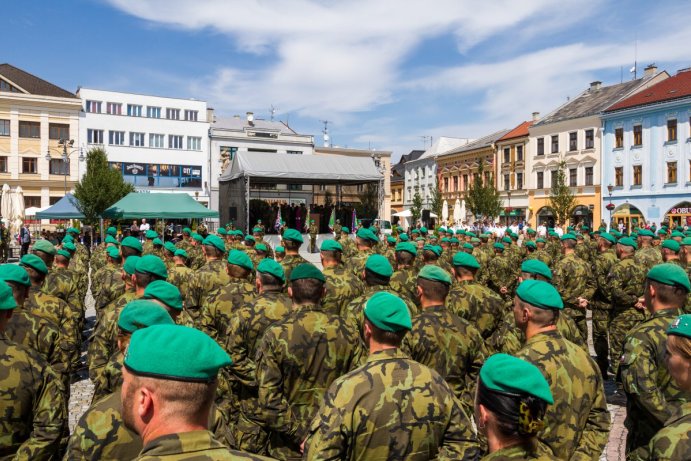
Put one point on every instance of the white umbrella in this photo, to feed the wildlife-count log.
(457, 217)
(464, 213)
(17, 208)
(445, 212)
(6, 205)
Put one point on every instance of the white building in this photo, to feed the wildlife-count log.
(159, 144)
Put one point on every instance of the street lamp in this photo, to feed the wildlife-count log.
(508, 209)
(66, 143)
(610, 205)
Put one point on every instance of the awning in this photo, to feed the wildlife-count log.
(167, 206)
(403, 214)
(65, 208)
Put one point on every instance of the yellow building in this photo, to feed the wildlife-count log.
(34, 116)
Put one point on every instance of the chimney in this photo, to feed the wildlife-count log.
(649, 71)
(250, 118)
(536, 116)
(210, 115)
(594, 86)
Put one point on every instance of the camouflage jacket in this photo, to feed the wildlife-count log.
(602, 265)
(582, 250)
(98, 258)
(503, 274)
(33, 405)
(180, 277)
(63, 283)
(483, 257)
(391, 408)
(348, 245)
(652, 395)
(290, 262)
(342, 286)
(404, 282)
(57, 311)
(541, 255)
(648, 257)
(210, 277)
(356, 262)
(672, 443)
(297, 360)
(450, 346)
(354, 310)
(111, 377)
(573, 279)
(577, 425)
(625, 284)
(191, 446)
(220, 304)
(107, 285)
(476, 303)
(520, 452)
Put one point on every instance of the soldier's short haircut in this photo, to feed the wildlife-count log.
(667, 294)
(541, 317)
(434, 291)
(390, 338)
(428, 255)
(269, 281)
(366, 242)
(334, 255)
(180, 398)
(45, 257)
(372, 278)
(238, 272)
(405, 258)
(569, 243)
(61, 259)
(212, 251)
(679, 344)
(462, 270)
(129, 251)
(506, 409)
(144, 279)
(531, 276)
(291, 245)
(307, 291)
(34, 275)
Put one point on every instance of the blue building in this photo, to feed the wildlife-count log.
(646, 155)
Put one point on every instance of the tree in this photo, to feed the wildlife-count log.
(483, 198)
(561, 199)
(100, 187)
(369, 202)
(416, 207)
(436, 202)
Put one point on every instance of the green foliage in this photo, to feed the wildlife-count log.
(437, 201)
(368, 207)
(100, 187)
(483, 198)
(561, 199)
(416, 207)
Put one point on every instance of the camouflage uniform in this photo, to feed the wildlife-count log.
(192, 446)
(110, 379)
(313, 231)
(33, 405)
(391, 408)
(356, 263)
(651, 393)
(203, 282)
(342, 286)
(573, 279)
(601, 308)
(106, 286)
(541, 255)
(290, 262)
(673, 442)
(297, 360)
(648, 257)
(62, 283)
(483, 257)
(577, 425)
(450, 346)
(477, 304)
(519, 452)
(348, 245)
(354, 310)
(503, 274)
(220, 304)
(404, 282)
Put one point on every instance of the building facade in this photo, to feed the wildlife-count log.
(646, 149)
(511, 174)
(35, 116)
(398, 180)
(158, 144)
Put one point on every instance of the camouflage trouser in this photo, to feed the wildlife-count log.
(249, 436)
(601, 322)
(622, 322)
(578, 317)
(313, 244)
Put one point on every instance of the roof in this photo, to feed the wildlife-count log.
(676, 87)
(592, 101)
(65, 208)
(485, 141)
(518, 132)
(442, 145)
(168, 206)
(32, 84)
(240, 124)
(399, 168)
(301, 169)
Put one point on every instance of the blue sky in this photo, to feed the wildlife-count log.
(384, 72)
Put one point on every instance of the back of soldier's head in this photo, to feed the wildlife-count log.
(404, 258)
(433, 290)
(307, 291)
(372, 278)
(331, 255)
(429, 256)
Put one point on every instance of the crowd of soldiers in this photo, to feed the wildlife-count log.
(420, 345)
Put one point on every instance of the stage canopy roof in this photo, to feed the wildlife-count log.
(166, 206)
(65, 208)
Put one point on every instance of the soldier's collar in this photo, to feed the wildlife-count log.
(307, 307)
(387, 354)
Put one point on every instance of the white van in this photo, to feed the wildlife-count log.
(384, 225)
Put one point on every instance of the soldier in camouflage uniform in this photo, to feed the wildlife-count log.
(365, 242)
(297, 360)
(179, 274)
(107, 283)
(292, 240)
(503, 275)
(600, 305)
(577, 425)
(33, 402)
(342, 286)
(542, 254)
(346, 242)
(652, 396)
(670, 253)
(647, 255)
(442, 340)
(404, 279)
(209, 278)
(62, 283)
(46, 251)
(313, 230)
(337, 228)
(392, 407)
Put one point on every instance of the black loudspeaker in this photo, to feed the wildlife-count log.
(425, 216)
(233, 213)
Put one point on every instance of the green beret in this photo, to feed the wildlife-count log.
(279, 249)
(416, 231)
(45, 246)
(552, 234)
(112, 231)
(506, 239)
(170, 246)
(367, 234)
(470, 234)
(646, 233)
(628, 242)
(175, 352)
(390, 239)
(453, 240)
(222, 231)
(157, 241)
(69, 246)
(132, 242)
(568, 237)
(216, 242)
(464, 259)
(569, 228)
(165, 292)
(662, 231)
(609, 237)
(67, 238)
(181, 252)
(435, 273)
(671, 245)
(271, 267)
(345, 230)
(540, 294)
(436, 249)
(634, 235)
(686, 241)
(670, 274)
(198, 237)
(331, 245)
(65, 254)
(113, 252)
(403, 237)
(445, 240)
(677, 234)
(540, 240)
(408, 247)
(460, 232)
(380, 265)
(130, 266)
(111, 239)
(14, 273)
(151, 264)
(261, 247)
(240, 258)
(72, 230)
(7, 301)
(237, 232)
(499, 246)
(292, 235)
(150, 234)
(530, 244)
(257, 230)
(306, 271)
(420, 239)
(441, 229)
(423, 230)
(535, 266)
(585, 228)
(531, 231)
(187, 231)
(140, 314)
(34, 262)
(387, 312)
(681, 326)
(509, 374)
(615, 233)
(468, 246)
(249, 238)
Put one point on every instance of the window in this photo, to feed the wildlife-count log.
(174, 142)
(671, 172)
(465, 182)
(116, 138)
(553, 177)
(114, 108)
(29, 165)
(672, 129)
(93, 107)
(619, 176)
(540, 146)
(519, 181)
(618, 138)
(194, 143)
(573, 177)
(191, 115)
(173, 114)
(589, 176)
(29, 129)
(137, 139)
(507, 182)
(299, 187)
(555, 143)
(156, 140)
(637, 175)
(293, 152)
(540, 180)
(455, 183)
(638, 135)
(4, 127)
(58, 131)
(589, 139)
(486, 181)
(519, 153)
(32, 201)
(134, 110)
(507, 155)
(94, 136)
(3, 164)
(4, 86)
(573, 141)
(153, 112)
(57, 166)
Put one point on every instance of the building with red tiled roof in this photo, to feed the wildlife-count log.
(677, 87)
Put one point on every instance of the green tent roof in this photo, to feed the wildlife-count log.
(65, 208)
(167, 206)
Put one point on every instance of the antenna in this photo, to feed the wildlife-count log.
(325, 132)
(273, 112)
(634, 69)
(425, 139)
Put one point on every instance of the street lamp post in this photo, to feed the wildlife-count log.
(65, 143)
(610, 205)
(508, 209)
